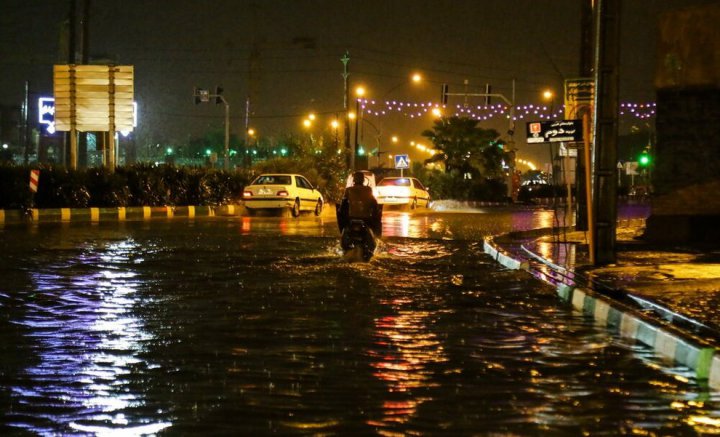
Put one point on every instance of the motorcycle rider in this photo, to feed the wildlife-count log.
(359, 203)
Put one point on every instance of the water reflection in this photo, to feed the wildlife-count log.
(89, 341)
(405, 349)
(222, 327)
(285, 226)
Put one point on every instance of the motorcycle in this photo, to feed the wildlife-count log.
(357, 238)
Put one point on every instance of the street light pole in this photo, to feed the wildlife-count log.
(359, 92)
(346, 125)
(355, 142)
(227, 135)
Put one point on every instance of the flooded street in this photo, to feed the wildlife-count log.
(256, 325)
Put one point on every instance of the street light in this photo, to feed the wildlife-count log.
(414, 78)
(549, 96)
(359, 92)
(334, 124)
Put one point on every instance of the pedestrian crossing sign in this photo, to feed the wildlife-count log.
(402, 161)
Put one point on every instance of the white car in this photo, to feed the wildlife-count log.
(402, 191)
(369, 181)
(280, 191)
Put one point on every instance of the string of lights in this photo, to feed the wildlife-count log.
(487, 112)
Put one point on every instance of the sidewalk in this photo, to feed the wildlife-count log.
(667, 298)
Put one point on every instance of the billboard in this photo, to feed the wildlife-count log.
(579, 96)
(46, 114)
(93, 98)
(554, 131)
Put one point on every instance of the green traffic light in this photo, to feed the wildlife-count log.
(644, 160)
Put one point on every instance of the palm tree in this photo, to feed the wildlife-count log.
(465, 147)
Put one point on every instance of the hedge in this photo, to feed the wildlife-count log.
(138, 185)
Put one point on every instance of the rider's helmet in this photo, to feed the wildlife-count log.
(358, 178)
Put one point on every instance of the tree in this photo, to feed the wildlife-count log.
(466, 148)
(473, 160)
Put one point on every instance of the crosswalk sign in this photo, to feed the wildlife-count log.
(402, 161)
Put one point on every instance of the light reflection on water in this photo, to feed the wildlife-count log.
(89, 340)
(257, 326)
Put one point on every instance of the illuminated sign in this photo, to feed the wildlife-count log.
(554, 131)
(46, 114)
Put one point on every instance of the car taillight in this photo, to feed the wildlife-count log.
(282, 193)
(247, 193)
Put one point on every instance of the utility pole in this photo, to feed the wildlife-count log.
(227, 133)
(607, 59)
(85, 60)
(346, 125)
(26, 122)
(71, 156)
(586, 70)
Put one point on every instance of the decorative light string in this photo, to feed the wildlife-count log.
(488, 112)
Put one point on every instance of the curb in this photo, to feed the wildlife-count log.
(94, 215)
(673, 346)
(51, 215)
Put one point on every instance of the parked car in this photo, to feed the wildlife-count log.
(281, 191)
(402, 191)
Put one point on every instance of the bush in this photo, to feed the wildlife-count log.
(454, 186)
(139, 185)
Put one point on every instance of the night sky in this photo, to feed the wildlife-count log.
(286, 56)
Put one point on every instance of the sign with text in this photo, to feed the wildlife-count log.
(554, 131)
(46, 114)
(579, 96)
(93, 98)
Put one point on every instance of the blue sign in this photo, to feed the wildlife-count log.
(402, 161)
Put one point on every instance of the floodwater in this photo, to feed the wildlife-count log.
(253, 326)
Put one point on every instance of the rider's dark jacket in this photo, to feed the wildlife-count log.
(359, 203)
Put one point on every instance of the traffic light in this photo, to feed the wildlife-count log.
(644, 159)
(218, 96)
(444, 94)
(200, 95)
